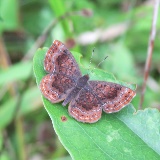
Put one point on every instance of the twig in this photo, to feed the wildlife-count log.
(150, 50)
(41, 39)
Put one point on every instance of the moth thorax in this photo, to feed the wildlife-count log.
(82, 81)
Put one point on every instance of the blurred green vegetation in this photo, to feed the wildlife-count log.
(118, 29)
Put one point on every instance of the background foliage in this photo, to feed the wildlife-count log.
(119, 29)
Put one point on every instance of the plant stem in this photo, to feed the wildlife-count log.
(150, 50)
(20, 138)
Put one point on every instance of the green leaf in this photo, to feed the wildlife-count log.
(121, 54)
(9, 15)
(30, 101)
(1, 141)
(123, 135)
(7, 112)
(5, 156)
(22, 70)
(59, 8)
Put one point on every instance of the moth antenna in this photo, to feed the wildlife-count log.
(99, 64)
(91, 59)
(102, 61)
